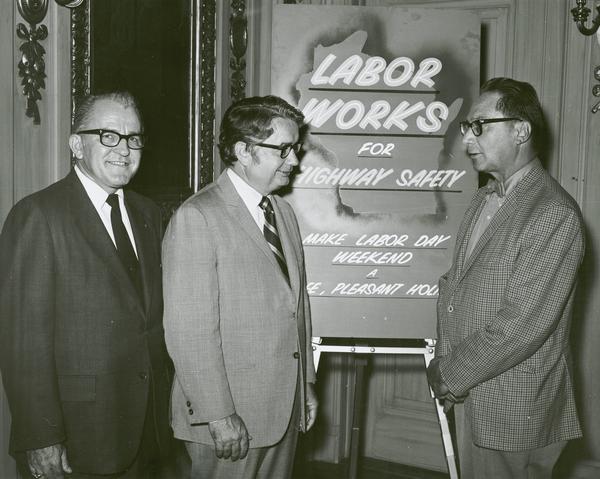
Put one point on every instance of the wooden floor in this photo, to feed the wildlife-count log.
(374, 469)
(367, 469)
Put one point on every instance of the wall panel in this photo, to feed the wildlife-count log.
(41, 152)
(7, 12)
(31, 156)
(7, 84)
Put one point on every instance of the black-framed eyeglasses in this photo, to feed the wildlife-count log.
(285, 149)
(476, 126)
(111, 138)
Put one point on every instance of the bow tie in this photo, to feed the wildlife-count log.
(494, 186)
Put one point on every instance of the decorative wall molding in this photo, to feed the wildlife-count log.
(69, 3)
(205, 145)
(596, 89)
(238, 41)
(80, 54)
(580, 16)
(202, 86)
(32, 68)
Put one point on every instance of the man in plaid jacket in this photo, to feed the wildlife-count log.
(505, 305)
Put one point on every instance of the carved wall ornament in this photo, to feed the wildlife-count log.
(31, 66)
(238, 41)
(208, 34)
(80, 54)
(596, 89)
(580, 15)
(69, 3)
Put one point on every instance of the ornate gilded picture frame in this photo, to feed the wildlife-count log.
(179, 72)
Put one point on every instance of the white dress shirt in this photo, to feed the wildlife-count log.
(250, 197)
(98, 198)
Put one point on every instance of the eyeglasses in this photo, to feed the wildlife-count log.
(476, 125)
(111, 138)
(284, 150)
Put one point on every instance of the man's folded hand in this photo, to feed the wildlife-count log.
(440, 388)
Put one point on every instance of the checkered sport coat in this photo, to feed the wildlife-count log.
(504, 316)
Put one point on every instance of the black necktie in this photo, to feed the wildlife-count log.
(272, 236)
(124, 247)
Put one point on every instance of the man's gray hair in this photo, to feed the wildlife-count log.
(84, 111)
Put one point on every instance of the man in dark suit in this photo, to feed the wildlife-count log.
(82, 351)
(505, 305)
(237, 318)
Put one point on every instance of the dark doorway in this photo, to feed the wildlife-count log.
(144, 46)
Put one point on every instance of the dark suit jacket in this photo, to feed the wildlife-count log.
(78, 345)
(504, 315)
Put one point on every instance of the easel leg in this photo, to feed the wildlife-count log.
(316, 346)
(360, 364)
(442, 419)
(446, 440)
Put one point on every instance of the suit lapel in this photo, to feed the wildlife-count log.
(92, 229)
(237, 208)
(508, 209)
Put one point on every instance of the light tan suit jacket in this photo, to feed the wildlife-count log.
(239, 335)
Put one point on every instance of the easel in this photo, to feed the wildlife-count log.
(428, 352)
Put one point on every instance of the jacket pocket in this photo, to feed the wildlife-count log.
(77, 387)
(527, 366)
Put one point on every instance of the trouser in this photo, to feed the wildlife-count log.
(480, 462)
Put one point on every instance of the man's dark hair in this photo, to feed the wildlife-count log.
(84, 110)
(251, 120)
(519, 99)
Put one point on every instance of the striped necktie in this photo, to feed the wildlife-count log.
(272, 236)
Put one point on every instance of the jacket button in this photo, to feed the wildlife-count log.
(450, 308)
(143, 376)
(188, 404)
(191, 411)
(296, 355)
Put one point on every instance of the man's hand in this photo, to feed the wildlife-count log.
(439, 387)
(49, 462)
(230, 436)
(434, 376)
(311, 406)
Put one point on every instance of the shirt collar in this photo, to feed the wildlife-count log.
(503, 189)
(97, 195)
(249, 195)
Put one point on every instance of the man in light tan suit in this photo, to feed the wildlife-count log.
(237, 320)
